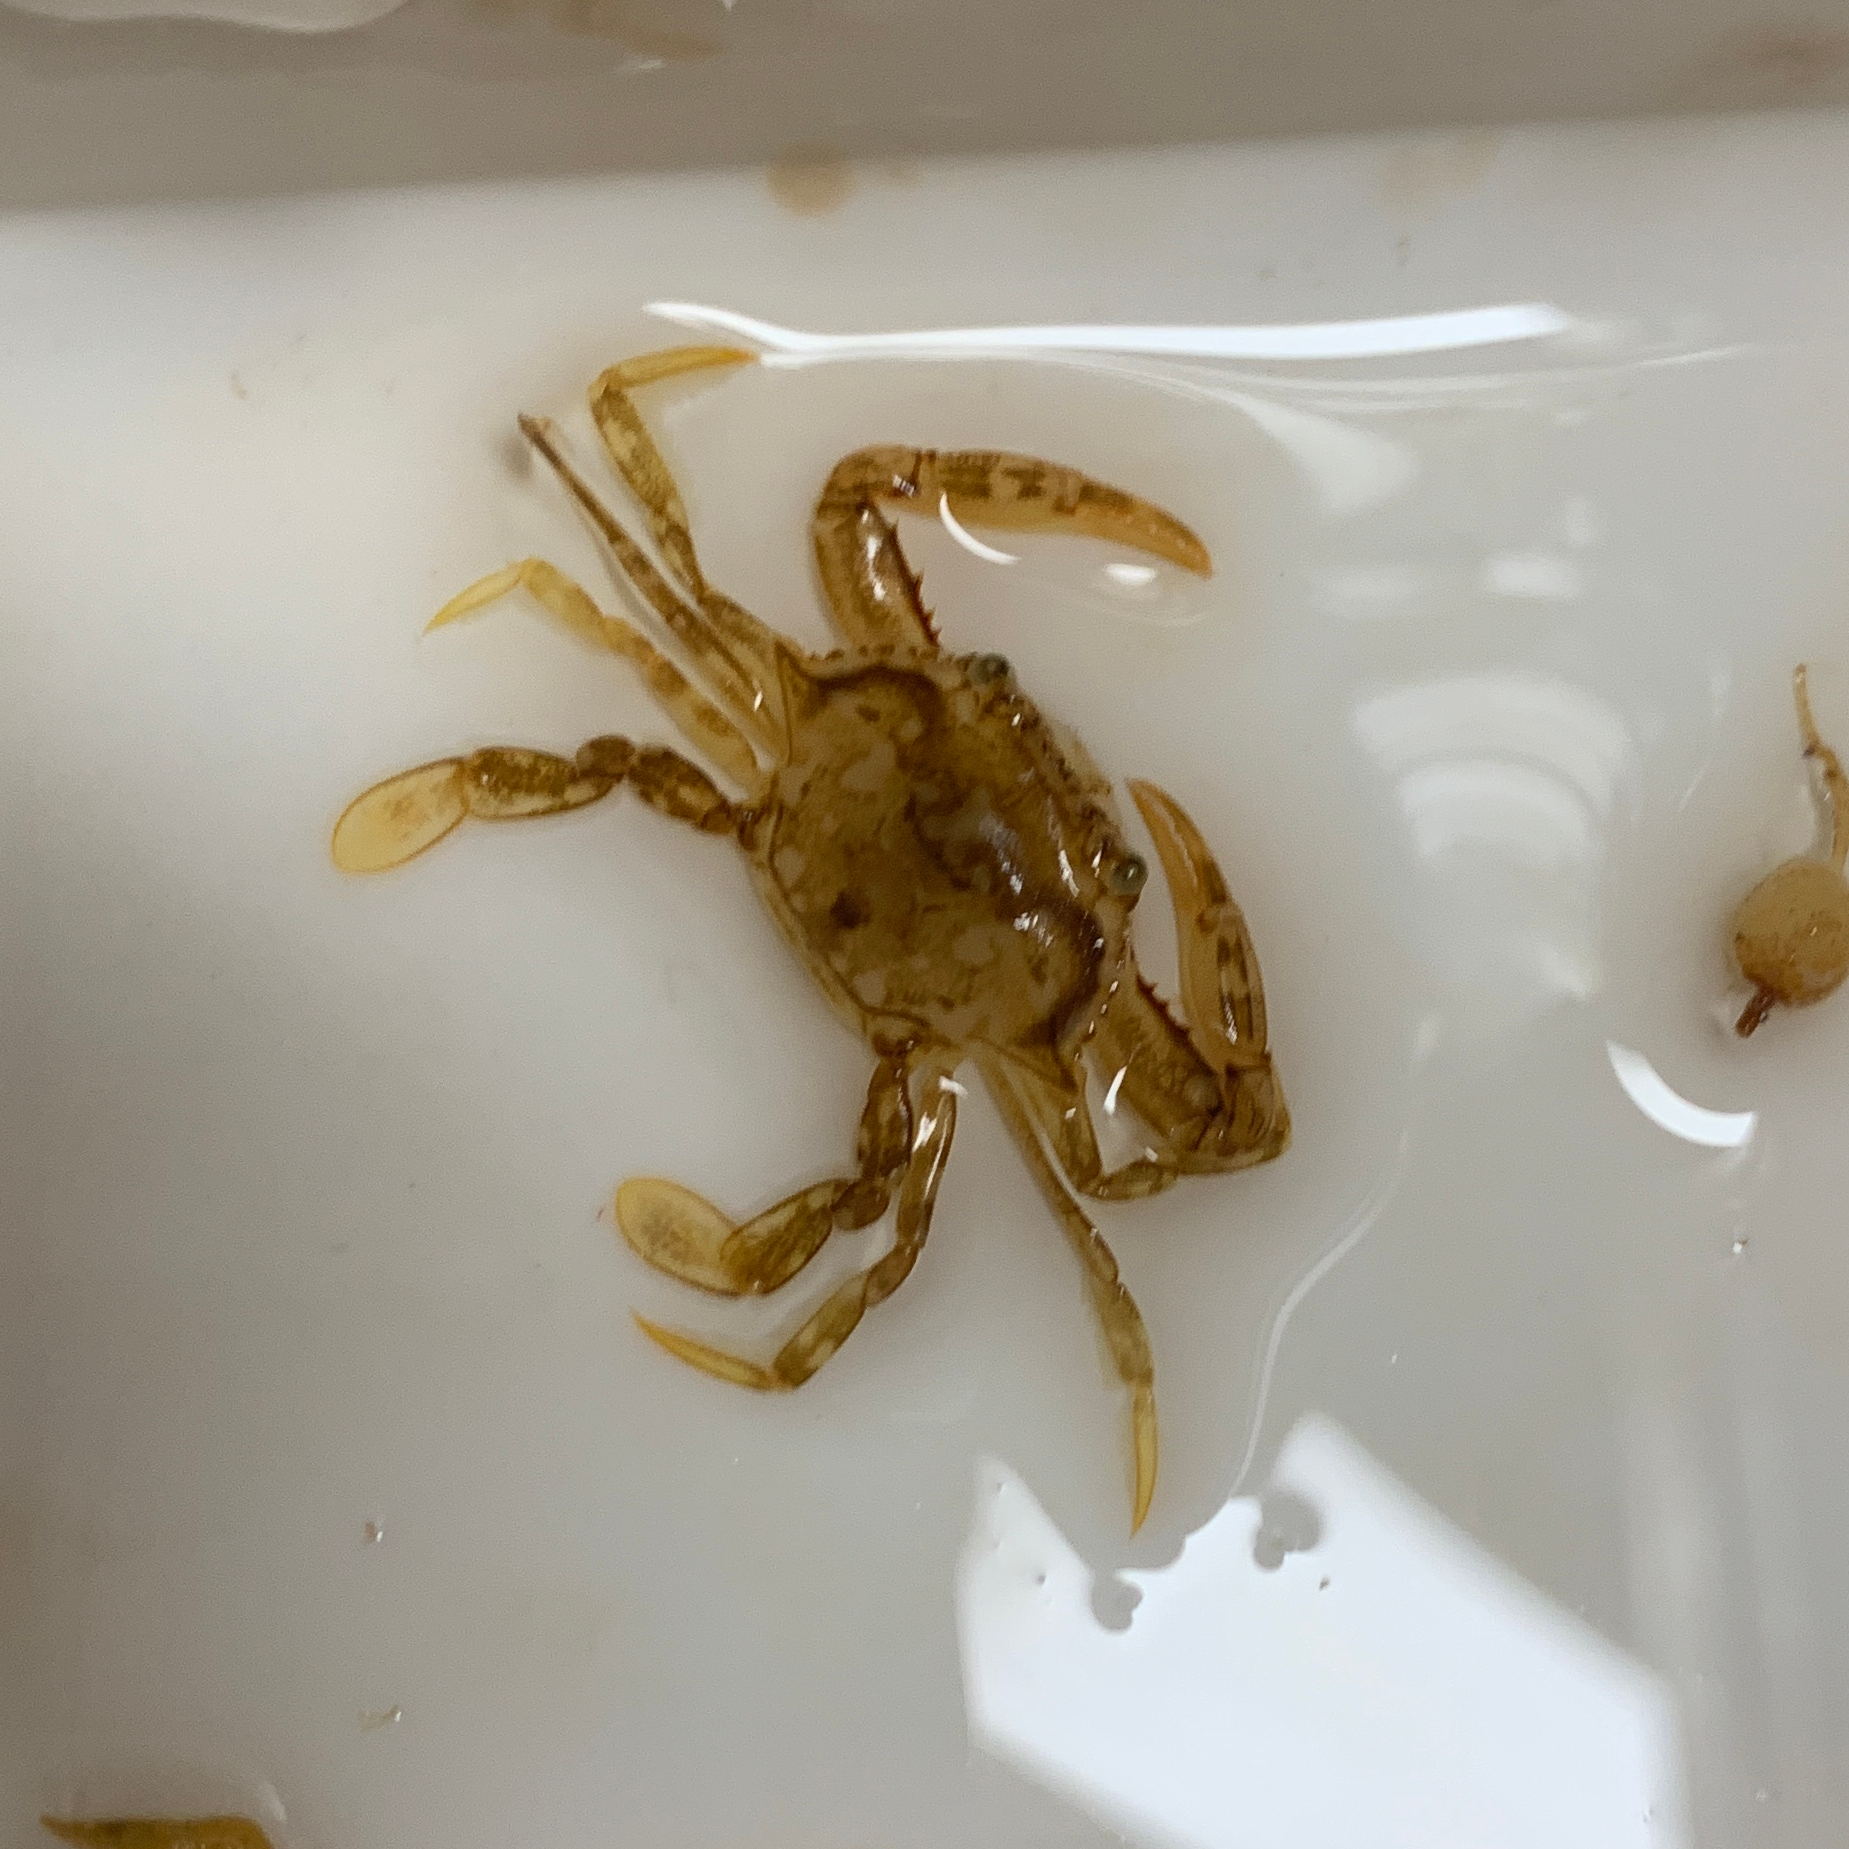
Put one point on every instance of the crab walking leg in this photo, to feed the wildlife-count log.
(742, 694)
(840, 1314)
(1834, 780)
(398, 819)
(701, 722)
(681, 1233)
(1022, 494)
(637, 458)
(1118, 1316)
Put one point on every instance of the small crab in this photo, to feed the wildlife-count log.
(1791, 933)
(945, 860)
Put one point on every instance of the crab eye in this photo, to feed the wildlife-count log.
(1126, 875)
(986, 669)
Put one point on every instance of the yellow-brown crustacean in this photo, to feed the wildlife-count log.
(159, 1832)
(944, 859)
(1791, 933)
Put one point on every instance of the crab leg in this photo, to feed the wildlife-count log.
(1834, 780)
(741, 694)
(686, 1236)
(751, 647)
(398, 819)
(702, 722)
(1118, 1316)
(635, 454)
(840, 1313)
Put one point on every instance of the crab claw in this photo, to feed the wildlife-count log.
(1220, 986)
(1026, 495)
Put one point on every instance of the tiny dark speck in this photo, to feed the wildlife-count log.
(848, 910)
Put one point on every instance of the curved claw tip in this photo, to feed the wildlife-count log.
(1143, 1432)
(1193, 875)
(1157, 806)
(1160, 534)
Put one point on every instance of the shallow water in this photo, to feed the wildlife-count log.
(1501, 1493)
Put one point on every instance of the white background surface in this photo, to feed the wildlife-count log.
(1487, 715)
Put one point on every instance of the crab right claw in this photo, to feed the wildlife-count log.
(1203, 1083)
(1220, 985)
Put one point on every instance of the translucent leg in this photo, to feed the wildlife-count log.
(824, 1332)
(700, 721)
(681, 1233)
(402, 817)
(1118, 1317)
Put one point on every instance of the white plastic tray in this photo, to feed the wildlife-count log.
(1503, 1487)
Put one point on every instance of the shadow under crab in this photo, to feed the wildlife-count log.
(945, 860)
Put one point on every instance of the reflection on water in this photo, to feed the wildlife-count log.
(1347, 468)
(1446, 331)
(994, 555)
(1651, 1093)
(1541, 577)
(1369, 1678)
(1506, 782)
